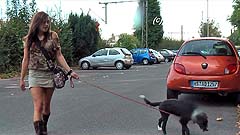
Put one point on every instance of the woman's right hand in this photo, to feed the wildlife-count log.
(22, 85)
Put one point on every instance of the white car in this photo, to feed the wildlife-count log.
(158, 55)
(108, 57)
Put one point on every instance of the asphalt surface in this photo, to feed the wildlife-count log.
(106, 102)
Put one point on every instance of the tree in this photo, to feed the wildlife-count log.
(154, 21)
(12, 31)
(235, 37)
(213, 29)
(234, 19)
(64, 33)
(65, 36)
(85, 36)
(127, 41)
(169, 43)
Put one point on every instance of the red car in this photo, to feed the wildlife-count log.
(205, 65)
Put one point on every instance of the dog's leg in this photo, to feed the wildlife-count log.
(160, 123)
(164, 120)
(185, 130)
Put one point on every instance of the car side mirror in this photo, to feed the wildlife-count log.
(93, 55)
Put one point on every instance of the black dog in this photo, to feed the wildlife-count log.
(186, 112)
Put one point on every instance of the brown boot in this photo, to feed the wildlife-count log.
(45, 121)
(38, 127)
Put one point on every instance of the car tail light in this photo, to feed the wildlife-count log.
(230, 69)
(179, 68)
(127, 56)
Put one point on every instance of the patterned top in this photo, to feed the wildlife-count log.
(37, 60)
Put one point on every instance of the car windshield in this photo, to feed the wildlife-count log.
(206, 48)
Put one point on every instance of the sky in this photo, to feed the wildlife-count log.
(175, 13)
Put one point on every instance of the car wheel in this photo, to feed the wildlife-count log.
(171, 94)
(119, 65)
(145, 61)
(85, 65)
(128, 66)
(166, 60)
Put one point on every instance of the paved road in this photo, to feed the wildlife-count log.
(89, 110)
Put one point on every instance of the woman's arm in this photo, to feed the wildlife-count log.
(61, 60)
(24, 68)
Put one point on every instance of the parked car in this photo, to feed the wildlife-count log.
(159, 56)
(167, 54)
(205, 65)
(108, 57)
(174, 52)
(143, 55)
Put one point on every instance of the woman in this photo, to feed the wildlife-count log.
(40, 78)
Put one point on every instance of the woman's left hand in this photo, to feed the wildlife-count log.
(74, 75)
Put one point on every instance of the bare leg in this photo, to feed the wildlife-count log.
(37, 96)
(47, 97)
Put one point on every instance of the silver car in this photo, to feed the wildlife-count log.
(158, 55)
(108, 57)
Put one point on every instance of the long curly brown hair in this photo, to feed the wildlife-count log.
(33, 31)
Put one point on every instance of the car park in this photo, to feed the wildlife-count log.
(167, 54)
(143, 56)
(159, 56)
(205, 65)
(108, 57)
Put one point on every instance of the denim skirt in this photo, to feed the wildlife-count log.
(40, 78)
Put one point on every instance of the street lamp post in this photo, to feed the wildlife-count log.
(207, 21)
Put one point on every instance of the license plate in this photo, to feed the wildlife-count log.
(204, 84)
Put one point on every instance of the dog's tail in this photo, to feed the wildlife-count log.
(149, 102)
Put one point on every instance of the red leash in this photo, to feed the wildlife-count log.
(124, 97)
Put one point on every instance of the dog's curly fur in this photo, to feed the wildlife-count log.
(184, 110)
